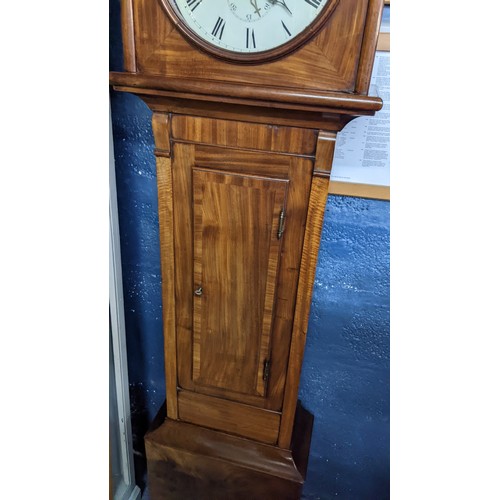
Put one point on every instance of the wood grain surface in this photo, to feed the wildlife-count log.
(236, 256)
(297, 99)
(166, 220)
(228, 416)
(237, 145)
(240, 110)
(373, 19)
(244, 315)
(242, 135)
(188, 461)
(327, 61)
(314, 224)
(128, 38)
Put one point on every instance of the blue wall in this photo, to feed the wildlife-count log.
(345, 375)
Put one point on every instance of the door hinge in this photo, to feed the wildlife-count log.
(281, 224)
(265, 370)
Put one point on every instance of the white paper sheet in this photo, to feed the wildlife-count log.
(362, 152)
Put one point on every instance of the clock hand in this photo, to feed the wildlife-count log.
(253, 3)
(282, 3)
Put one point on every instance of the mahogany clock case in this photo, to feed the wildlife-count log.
(338, 55)
(243, 155)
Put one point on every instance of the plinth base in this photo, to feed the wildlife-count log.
(187, 462)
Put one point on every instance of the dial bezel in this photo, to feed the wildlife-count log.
(248, 57)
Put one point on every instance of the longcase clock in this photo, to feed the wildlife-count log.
(247, 98)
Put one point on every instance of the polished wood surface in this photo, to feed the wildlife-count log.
(128, 40)
(165, 218)
(189, 461)
(297, 99)
(242, 150)
(202, 186)
(243, 135)
(228, 416)
(161, 124)
(314, 224)
(222, 199)
(161, 130)
(256, 163)
(294, 108)
(330, 60)
(236, 291)
(373, 18)
(236, 257)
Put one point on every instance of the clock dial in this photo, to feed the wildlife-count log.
(249, 30)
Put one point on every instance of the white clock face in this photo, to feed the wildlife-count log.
(249, 26)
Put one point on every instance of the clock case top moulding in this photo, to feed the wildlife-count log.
(322, 84)
(263, 124)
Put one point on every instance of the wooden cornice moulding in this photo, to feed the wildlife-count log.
(332, 102)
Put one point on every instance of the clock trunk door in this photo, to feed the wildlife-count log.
(237, 222)
(239, 219)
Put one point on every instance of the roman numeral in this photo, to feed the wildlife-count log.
(314, 3)
(193, 4)
(286, 29)
(251, 38)
(219, 28)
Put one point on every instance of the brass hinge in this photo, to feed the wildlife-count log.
(265, 370)
(281, 225)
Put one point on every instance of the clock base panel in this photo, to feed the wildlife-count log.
(187, 461)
